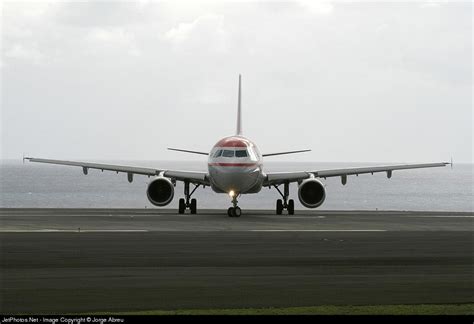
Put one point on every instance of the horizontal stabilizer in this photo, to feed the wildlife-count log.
(187, 151)
(283, 153)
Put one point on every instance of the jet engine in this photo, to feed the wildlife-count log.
(160, 191)
(311, 193)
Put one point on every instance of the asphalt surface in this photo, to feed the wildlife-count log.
(84, 260)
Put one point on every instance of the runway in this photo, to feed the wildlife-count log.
(151, 220)
(84, 260)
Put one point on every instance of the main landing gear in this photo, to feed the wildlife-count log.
(234, 211)
(285, 203)
(186, 202)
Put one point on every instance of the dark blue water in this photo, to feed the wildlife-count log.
(39, 185)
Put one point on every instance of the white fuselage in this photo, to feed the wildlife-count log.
(235, 165)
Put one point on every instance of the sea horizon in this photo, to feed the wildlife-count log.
(33, 185)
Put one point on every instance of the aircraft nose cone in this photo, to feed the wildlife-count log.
(238, 181)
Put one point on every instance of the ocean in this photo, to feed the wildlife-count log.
(34, 185)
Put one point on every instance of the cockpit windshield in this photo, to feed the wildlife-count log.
(228, 153)
(231, 153)
(241, 153)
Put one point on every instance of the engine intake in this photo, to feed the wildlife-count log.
(160, 191)
(311, 193)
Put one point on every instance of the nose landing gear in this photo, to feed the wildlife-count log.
(289, 205)
(234, 211)
(186, 202)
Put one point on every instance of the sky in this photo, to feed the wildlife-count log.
(353, 81)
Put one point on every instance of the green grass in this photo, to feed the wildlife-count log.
(447, 309)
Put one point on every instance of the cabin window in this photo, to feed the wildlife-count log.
(241, 153)
(228, 153)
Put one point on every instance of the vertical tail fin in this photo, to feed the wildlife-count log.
(239, 110)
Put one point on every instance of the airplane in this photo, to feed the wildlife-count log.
(235, 167)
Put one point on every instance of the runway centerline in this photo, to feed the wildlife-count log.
(317, 230)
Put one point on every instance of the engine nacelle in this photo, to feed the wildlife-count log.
(311, 193)
(160, 191)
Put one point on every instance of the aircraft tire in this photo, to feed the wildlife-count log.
(181, 206)
(193, 206)
(279, 207)
(291, 207)
(236, 212)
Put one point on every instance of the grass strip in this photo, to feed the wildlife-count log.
(419, 309)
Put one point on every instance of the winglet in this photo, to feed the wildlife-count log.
(27, 158)
(451, 163)
(239, 109)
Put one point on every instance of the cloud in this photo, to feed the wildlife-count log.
(17, 32)
(21, 52)
(301, 54)
(33, 9)
(110, 35)
(317, 7)
(24, 27)
(209, 97)
(100, 39)
(206, 30)
(430, 4)
(104, 13)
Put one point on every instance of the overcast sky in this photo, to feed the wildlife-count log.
(353, 81)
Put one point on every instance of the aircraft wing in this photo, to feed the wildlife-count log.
(282, 177)
(191, 176)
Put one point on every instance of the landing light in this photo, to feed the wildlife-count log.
(232, 193)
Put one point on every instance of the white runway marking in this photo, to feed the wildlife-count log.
(317, 230)
(454, 216)
(125, 230)
(218, 230)
(67, 231)
(291, 217)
